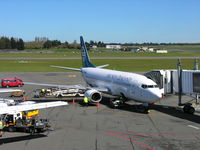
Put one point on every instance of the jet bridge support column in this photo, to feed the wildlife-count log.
(187, 107)
(179, 71)
(196, 66)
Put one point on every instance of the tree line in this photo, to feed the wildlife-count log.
(11, 43)
(57, 44)
(18, 43)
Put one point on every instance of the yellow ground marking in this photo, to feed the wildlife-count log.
(71, 76)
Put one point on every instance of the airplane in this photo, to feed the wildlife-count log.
(128, 86)
(7, 108)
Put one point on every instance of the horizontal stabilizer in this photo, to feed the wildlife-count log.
(68, 68)
(102, 66)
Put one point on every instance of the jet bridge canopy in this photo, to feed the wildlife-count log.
(156, 76)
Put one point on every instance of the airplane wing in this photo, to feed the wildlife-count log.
(19, 108)
(9, 90)
(57, 85)
(100, 89)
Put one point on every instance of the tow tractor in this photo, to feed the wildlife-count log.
(27, 121)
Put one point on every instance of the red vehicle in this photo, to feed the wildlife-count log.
(11, 82)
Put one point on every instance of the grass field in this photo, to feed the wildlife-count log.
(104, 54)
(183, 47)
(130, 65)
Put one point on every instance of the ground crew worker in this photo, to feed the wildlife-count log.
(85, 101)
(1, 128)
(42, 90)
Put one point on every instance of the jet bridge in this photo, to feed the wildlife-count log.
(178, 82)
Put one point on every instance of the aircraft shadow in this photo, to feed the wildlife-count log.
(169, 110)
(20, 138)
(176, 113)
(125, 107)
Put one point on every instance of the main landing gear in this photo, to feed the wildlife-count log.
(119, 103)
(116, 103)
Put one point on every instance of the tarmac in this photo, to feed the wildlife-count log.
(75, 127)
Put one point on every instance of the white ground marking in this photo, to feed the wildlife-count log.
(193, 127)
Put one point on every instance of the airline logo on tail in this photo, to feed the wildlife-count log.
(85, 58)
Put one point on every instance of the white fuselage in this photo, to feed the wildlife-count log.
(132, 86)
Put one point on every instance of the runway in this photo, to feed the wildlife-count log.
(95, 128)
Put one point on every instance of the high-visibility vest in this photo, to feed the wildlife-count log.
(1, 125)
(85, 100)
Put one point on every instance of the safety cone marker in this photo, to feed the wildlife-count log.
(26, 98)
(23, 98)
(73, 102)
(97, 105)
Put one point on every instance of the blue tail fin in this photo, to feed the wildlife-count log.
(85, 58)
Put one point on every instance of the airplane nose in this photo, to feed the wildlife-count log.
(157, 94)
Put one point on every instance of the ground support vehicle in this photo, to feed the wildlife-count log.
(26, 122)
(57, 92)
(17, 94)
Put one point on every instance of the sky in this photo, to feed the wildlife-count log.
(119, 21)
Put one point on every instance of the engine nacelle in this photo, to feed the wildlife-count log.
(93, 96)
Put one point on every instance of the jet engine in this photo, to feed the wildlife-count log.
(93, 96)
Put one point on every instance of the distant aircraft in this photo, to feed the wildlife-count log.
(5, 108)
(129, 86)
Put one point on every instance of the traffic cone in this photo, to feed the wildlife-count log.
(26, 98)
(97, 105)
(73, 102)
(23, 98)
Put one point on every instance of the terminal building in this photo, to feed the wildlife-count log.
(113, 46)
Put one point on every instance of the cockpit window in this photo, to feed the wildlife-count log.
(144, 86)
